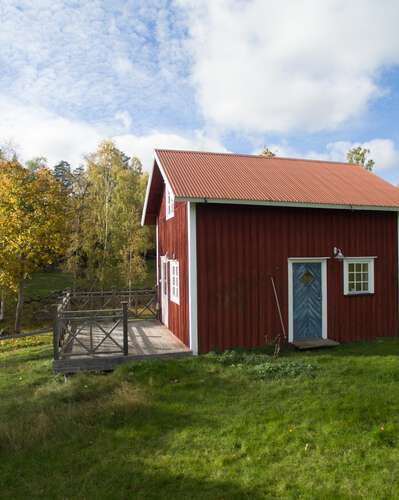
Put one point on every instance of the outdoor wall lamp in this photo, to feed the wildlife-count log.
(338, 253)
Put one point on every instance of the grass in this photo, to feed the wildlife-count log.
(44, 284)
(39, 298)
(210, 427)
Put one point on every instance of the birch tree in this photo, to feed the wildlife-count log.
(360, 156)
(113, 238)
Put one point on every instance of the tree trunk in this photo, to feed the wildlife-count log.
(20, 303)
(2, 305)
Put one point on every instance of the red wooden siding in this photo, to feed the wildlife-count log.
(239, 247)
(172, 240)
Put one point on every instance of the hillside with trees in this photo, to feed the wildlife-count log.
(83, 221)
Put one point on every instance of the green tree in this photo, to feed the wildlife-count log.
(76, 184)
(113, 240)
(359, 156)
(32, 225)
(36, 163)
(63, 174)
(267, 152)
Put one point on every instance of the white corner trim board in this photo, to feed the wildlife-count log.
(192, 276)
(157, 252)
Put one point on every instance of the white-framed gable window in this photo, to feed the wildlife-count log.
(170, 203)
(174, 281)
(358, 275)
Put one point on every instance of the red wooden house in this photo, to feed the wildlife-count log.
(327, 233)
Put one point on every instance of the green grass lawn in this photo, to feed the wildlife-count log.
(197, 428)
(44, 284)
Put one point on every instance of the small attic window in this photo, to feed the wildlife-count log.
(170, 203)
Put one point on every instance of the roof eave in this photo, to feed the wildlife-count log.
(157, 163)
(288, 204)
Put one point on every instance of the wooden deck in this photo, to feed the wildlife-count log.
(146, 339)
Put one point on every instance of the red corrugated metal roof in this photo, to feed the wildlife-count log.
(223, 176)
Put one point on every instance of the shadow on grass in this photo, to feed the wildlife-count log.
(139, 482)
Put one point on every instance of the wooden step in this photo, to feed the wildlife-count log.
(314, 343)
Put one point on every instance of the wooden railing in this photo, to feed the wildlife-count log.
(86, 323)
(142, 304)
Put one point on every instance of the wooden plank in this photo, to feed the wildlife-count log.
(314, 343)
(109, 363)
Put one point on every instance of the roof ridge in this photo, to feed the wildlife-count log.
(247, 155)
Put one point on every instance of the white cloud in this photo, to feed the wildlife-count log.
(382, 151)
(143, 146)
(37, 132)
(285, 65)
(125, 118)
(91, 59)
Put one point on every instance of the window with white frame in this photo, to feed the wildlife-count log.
(170, 203)
(358, 276)
(174, 281)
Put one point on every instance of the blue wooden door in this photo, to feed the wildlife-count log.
(307, 300)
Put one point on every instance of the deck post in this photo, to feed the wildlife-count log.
(125, 328)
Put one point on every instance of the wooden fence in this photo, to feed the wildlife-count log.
(93, 323)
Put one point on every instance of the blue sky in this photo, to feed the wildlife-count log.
(308, 79)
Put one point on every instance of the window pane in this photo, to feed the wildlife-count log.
(358, 276)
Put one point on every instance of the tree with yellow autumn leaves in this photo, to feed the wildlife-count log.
(32, 225)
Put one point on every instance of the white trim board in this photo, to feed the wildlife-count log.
(164, 296)
(147, 193)
(192, 276)
(308, 259)
(293, 204)
(317, 260)
(157, 250)
(361, 260)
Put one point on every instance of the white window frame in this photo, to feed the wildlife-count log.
(170, 203)
(359, 260)
(174, 284)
